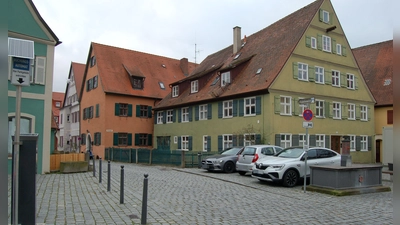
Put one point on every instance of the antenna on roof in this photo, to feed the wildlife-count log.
(195, 51)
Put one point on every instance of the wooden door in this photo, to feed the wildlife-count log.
(335, 143)
(378, 151)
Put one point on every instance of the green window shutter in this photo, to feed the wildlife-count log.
(219, 143)
(97, 110)
(295, 140)
(344, 51)
(234, 107)
(208, 143)
(355, 82)
(149, 112)
(258, 105)
(296, 106)
(87, 85)
(87, 113)
(234, 140)
(277, 104)
(328, 113)
(293, 102)
(115, 140)
(179, 142)
(190, 143)
(295, 70)
(137, 139)
(164, 117)
(129, 139)
(99, 139)
(179, 115)
(327, 141)
(311, 74)
(258, 139)
(241, 107)
(321, 15)
(277, 139)
(308, 41)
(130, 110)
(344, 112)
(319, 41)
(358, 143)
(190, 113)
(343, 80)
(219, 109)
(84, 114)
(369, 143)
(330, 18)
(174, 115)
(196, 113)
(313, 141)
(333, 45)
(137, 110)
(358, 112)
(149, 140)
(209, 111)
(369, 114)
(328, 77)
(156, 117)
(116, 109)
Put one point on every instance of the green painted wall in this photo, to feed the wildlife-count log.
(20, 20)
(33, 107)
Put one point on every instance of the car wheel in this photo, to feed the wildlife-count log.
(242, 173)
(290, 178)
(229, 167)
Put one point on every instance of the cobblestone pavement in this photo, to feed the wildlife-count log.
(195, 196)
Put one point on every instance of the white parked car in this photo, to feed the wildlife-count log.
(288, 165)
(250, 154)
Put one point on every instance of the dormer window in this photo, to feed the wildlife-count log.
(58, 104)
(194, 86)
(175, 91)
(137, 83)
(324, 16)
(225, 79)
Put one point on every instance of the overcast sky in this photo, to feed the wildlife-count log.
(172, 28)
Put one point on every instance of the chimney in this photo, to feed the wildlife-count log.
(237, 42)
(184, 66)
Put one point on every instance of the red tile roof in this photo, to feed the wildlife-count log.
(57, 97)
(115, 64)
(79, 71)
(376, 64)
(268, 49)
(53, 121)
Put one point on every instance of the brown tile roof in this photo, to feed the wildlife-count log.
(115, 64)
(57, 97)
(79, 71)
(53, 121)
(376, 64)
(268, 49)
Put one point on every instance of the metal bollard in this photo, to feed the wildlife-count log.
(94, 166)
(109, 176)
(199, 159)
(121, 191)
(100, 171)
(144, 200)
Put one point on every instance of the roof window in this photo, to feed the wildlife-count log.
(387, 82)
(259, 71)
(162, 86)
(237, 56)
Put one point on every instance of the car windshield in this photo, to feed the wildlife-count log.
(291, 153)
(249, 151)
(232, 151)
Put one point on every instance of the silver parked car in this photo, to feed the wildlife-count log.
(222, 162)
(250, 154)
(288, 165)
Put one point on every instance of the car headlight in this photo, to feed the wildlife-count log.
(277, 167)
(220, 161)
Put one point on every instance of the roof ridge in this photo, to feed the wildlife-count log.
(370, 45)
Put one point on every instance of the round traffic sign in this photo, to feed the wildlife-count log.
(307, 115)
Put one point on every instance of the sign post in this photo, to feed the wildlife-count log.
(307, 115)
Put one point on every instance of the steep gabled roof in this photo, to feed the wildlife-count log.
(57, 96)
(268, 49)
(376, 64)
(116, 65)
(79, 71)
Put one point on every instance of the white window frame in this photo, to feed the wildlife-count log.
(175, 91)
(249, 139)
(302, 107)
(335, 78)
(227, 109)
(320, 140)
(185, 142)
(364, 142)
(286, 141)
(337, 110)
(302, 139)
(250, 106)
(225, 78)
(350, 81)
(170, 116)
(302, 71)
(160, 117)
(205, 143)
(194, 86)
(203, 111)
(227, 141)
(175, 139)
(313, 43)
(352, 142)
(325, 16)
(320, 108)
(326, 43)
(339, 49)
(363, 112)
(286, 107)
(351, 109)
(319, 75)
(185, 114)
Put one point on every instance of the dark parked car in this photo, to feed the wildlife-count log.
(225, 161)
